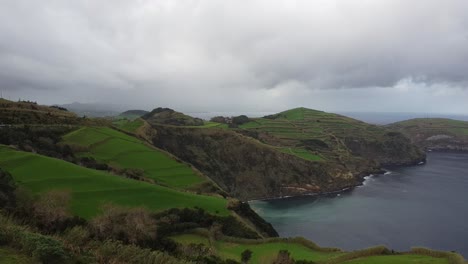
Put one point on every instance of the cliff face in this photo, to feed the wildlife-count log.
(392, 149)
(248, 169)
(435, 133)
(299, 151)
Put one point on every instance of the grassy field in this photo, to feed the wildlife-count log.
(267, 252)
(292, 131)
(399, 259)
(10, 256)
(262, 253)
(90, 188)
(432, 126)
(128, 125)
(123, 151)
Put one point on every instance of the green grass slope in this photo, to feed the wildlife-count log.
(316, 135)
(435, 133)
(127, 125)
(124, 151)
(90, 188)
(266, 252)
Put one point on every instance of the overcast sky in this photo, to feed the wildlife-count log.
(343, 55)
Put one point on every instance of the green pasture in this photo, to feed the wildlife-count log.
(267, 251)
(262, 252)
(124, 151)
(129, 125)
(91, 188)
(399, 259)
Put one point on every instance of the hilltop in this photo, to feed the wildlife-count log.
(132, 114)
(299, 151)
(31, 113)
(167, 116)
(435, 133)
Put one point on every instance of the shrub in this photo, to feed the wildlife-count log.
(246, 255)
(7, 190)
(283, 258)
(116, 252)
(43, 248)
(134, 225)
(51, 210)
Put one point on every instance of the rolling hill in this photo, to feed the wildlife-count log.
(299, 151)
(435, 133)
(91, 188)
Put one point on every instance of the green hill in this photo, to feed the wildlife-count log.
(132, 114)
(168, 116)
(317, 135)
(435, 133)
(123, 151)
(299, 151)
(31, 113)
(90, 188)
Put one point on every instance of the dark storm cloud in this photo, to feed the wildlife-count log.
(230, 53)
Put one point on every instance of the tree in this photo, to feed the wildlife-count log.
(246, 255)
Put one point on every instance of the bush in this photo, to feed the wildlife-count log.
(7, 190)
(134, 225)
(246, 255)
(283, 258)
(116, 252)
(44, 248)
(52, 210)
(239, 120)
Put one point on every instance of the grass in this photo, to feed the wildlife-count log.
(399, 259)
(129, 125)
(266, 252)
(433, 126)
(294, 132)
(262, 253)
(90, 188)
(11, 256)
(124, 151)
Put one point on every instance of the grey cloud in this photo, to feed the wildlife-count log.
(155, 52)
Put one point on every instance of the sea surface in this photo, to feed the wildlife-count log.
(424, 205)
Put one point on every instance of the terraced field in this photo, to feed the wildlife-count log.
(310, 134)
(435, 133)
(432, 126)
(91, 188)
(128, 125)
(123, 151)
(266, 252)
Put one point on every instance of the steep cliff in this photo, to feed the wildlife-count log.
(435, 133)
(299, 151)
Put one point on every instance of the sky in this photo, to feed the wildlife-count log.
(256, 55)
